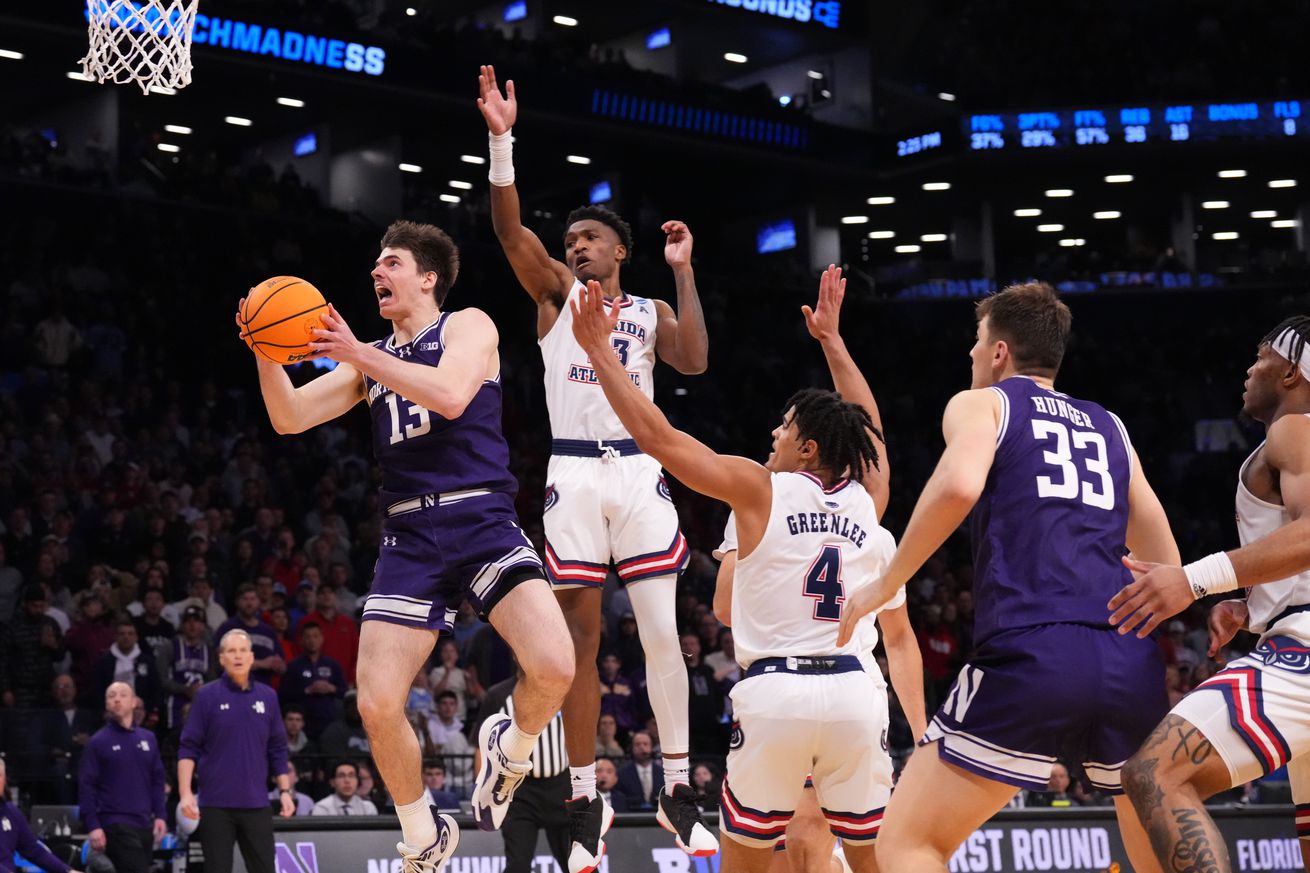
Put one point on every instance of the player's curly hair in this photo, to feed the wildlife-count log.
(605, 216)
(433, 250)
(1299, 325)
(842, 430)
(1033, 321)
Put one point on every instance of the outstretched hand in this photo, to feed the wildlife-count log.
(499, 111)
(677, 243)
(1159, 592)
(822, 320)
(592, 325)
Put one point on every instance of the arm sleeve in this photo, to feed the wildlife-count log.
(277, 739)
(33, 850)
(88, 795)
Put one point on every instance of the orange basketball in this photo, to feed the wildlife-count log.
(278, 316)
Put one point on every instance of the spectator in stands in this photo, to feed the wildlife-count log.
(279, 618)
(59, 735)
(447, 731)
(639, 780)
(299, 745)
(154, 631)
(11, 585)
(16, 835)
(449, 676)
(344, 799)
(419, 704)
(304, 803)
(705, 782)
(263, 639)
(235, 741)
(607, 740)
(340, 633)
(941, 652)
(1057, 790)
(121, 796)
(185, 664)
(724, 661)
(628, 644)
(126, 662)
(616, 693)
(346, 737)
(607, 778)
(202, 595)
(314, 681)
(90, 636)
(434, 781)
(30, 646)
(705, 710)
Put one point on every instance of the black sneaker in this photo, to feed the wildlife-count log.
(589, 820)
(679, 815)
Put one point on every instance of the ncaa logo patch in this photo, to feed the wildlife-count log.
(552, 497)
(738, 738)
(662, 489)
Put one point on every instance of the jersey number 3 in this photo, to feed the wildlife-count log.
(410, 430)
(823, 583)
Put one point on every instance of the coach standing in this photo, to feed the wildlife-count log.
(234, 737)
(16, 836)
(121, 786)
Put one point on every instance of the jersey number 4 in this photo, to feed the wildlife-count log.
(823, 583)
(410, 429)
(1069, 485)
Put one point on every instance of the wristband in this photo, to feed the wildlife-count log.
(286, 791)
(1213, 574)
(501, 147)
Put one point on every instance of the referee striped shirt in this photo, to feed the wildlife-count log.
(550, 757)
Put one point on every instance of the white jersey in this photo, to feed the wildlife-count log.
(576, 402)
(1256, 519)
(819, 547)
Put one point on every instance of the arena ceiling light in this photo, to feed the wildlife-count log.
(11, 55)
(237, 120)
(855, 219)
(292, 102)
(882, 234)
(908, 250)
(881, 201)
(1215, 204)
(933, 237)
(177, 128)
(1050, 228)
(463, 186)
(1059, 192)
(1285, 222)
(814, 74)
(1282, 183)
(1225, 234)
(1071, 243)
(936, 186)
(411, 11)
(168, 147)
(1265, 213)
(784, 100)
(946, 95)
(473, 159)
(735, 57)
(1027, 213)
(1119, 178)
(1232, 174)
(449, 198)
(565, 21)
(1107, 214)
(579, 159)
(409, 168)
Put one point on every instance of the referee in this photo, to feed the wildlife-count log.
(235, 738)
(539, 801)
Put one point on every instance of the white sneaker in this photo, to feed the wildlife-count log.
(498, 776)
(434, 857)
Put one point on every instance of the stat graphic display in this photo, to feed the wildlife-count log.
(1130, 125)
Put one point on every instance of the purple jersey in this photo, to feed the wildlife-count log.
(422, 453)
(1048, 532)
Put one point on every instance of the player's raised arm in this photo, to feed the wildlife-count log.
(681, 339)
(469, 338)
(544, 278)
(850, 383)
(740, 482)
(1166, 589)
(970, 427)
(296, 410)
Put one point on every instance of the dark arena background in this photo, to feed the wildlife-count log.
(1150, 160)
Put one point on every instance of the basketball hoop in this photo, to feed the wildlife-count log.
(147, 42)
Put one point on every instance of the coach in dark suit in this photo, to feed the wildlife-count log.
(607, 780)
(640, 780)
(121, 787)
(235, 739)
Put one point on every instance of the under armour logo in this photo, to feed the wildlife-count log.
(4, 823)
(145, 745)
(404, 351)
(388, 541)
(259, 706)
(224, 706)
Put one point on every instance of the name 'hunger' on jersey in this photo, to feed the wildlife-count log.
(419, 451)
(1049, 530)
(819, 547)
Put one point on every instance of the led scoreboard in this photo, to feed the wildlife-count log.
(1127, 125)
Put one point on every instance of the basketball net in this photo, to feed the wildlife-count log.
(147, 42)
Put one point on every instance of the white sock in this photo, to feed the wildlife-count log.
(517, 744)
(417, 826)
(583, 780)
(676, 771)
